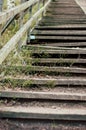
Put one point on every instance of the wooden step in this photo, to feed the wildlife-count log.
(54, 50)
(58, 80)
(59, 38)
(66, 44)
(54, 20)
(27, 69)
(59, 32)
(61, 5)
(56, 45)
(62, 44)
(64, 26)
(60, 22)
(72, 17)
(59, 60)
(43, 95)
(65, 9)
(63, 2)
(42, 113)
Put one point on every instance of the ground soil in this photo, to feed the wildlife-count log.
(40, 125)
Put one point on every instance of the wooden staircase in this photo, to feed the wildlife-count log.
(57, 64)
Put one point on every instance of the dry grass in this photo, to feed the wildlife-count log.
(14, 56)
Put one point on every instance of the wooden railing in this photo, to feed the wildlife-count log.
(4, 16)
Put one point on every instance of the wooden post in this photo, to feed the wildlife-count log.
(43, 5)
(28, 33)
(37, 10)
(20, 26)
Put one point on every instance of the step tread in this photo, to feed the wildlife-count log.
(59, 32)
(64, 26)
(42, 113)
(43, 95)
(51, 69)
(56, 80)
(55, 60)
(54, 51)
(62, 44)
(59, 38)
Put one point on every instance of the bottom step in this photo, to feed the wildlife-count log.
(42, 113)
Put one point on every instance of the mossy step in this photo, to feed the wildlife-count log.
(59, 60)
(26, 81)
(58, 51)
(13, 70)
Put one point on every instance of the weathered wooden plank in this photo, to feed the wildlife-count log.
(59, 60)
(64, 20)
(62, 26)
(60, 32)
(62, 5)
(64, 17)
(42, 113)
(76, 70)
(53, 47)
(43, 95)
(60, 22)
(65, 9)
(66, 44)
(61, 38)
(48, 81)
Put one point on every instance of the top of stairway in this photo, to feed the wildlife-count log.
(82, 4)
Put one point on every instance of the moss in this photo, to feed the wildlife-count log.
(13, 83)
(51, 84)
(27, 83)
